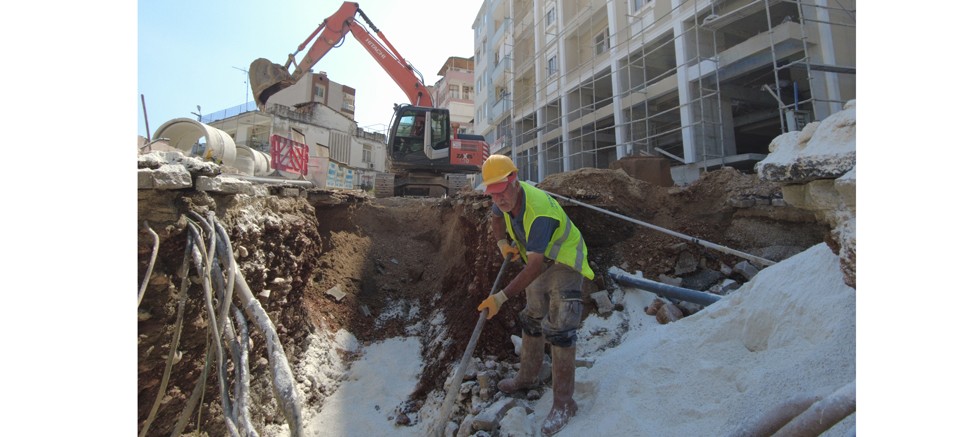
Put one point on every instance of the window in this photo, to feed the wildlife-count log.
(366, 157)
(319, 90)
(348, 102)
(467, 92)
(549, 17)
(601, 41)
(639, 4)
(453, 91)
(552, 65)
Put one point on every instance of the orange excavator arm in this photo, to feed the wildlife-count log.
(268, 78)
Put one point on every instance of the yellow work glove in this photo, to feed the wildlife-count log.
(506, 248)
(492, 304)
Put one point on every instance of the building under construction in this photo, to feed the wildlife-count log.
(566, 84)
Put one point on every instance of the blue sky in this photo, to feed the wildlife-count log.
(193, 52)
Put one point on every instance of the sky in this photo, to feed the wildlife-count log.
(194, 53)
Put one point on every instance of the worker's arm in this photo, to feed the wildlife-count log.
(541, 231)
(530, 272)
(499, 231)
(535, 264)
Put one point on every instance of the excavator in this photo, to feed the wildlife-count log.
(426, 154)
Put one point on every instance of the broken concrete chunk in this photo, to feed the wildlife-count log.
(702, 280)
(466, 425)
(746, 269)
(224, 185)
(689, 308)
(669, 313)
(603, 304)
(727, 286)
(517, 422)
(489, 418)
(337, 292)
(686, 263)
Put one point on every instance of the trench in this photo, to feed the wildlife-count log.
(403, 262)
(417, 267)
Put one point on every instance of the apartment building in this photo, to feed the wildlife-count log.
(454, 91)
(319, 113)
(566, 84)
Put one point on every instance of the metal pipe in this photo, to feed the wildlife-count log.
(685, 294)
(262, 180)
(754, 259)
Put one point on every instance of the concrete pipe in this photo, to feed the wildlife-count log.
(252, 162)
(184, 134)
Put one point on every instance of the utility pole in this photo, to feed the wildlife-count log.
(246, 85)
(198, 113)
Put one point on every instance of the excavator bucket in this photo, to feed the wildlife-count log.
(267, 78)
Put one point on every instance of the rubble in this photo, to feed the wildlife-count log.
(412, 267)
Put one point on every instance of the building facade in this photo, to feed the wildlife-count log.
(319, 113)
(566, 84)
(454, 91)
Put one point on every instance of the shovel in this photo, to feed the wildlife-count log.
(453, 390)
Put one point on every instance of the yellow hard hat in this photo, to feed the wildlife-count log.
(496, 169)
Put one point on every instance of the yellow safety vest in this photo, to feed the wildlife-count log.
(566, 245)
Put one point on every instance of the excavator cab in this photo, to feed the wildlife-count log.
(418, 135)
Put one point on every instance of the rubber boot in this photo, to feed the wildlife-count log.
(563, 384)
(532, 354)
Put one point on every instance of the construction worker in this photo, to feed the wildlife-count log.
(555, 263)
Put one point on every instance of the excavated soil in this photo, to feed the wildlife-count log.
(380, 267)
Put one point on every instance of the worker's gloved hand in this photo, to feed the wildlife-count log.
(506, 248)
(492, 304)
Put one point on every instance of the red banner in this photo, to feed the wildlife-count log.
(289, 155)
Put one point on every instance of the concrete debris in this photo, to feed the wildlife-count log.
(517, 422)
(489, 418)
(686, 263)
(746, 269)
(669, 313)
(724, 269)
(603, 304)
(724, 287)
(702, 279)
(670, 280)
(689, 308)
(166, 177)
(337, 292)
(654, 306)
(224, 185)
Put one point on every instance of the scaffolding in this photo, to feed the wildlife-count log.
(705, 83)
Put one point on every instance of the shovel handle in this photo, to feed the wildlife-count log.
(453, 390)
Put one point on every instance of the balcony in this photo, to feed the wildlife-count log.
(499, 33)
(497, 75)
(499, 109)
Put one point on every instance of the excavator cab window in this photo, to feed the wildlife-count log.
(440, 129)
(410, 133)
